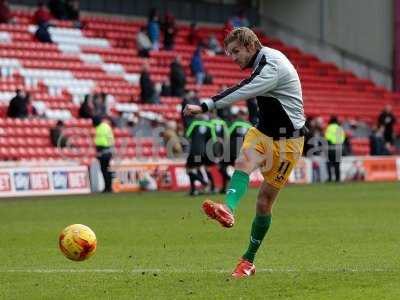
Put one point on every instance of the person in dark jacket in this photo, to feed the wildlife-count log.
(57, 137)
(377, 143)
(86, 110)
(387, 120)
(57, 9)
(18, 106)
(42, 33)
(148, 93)
(72, 10)
(177, 78)
(169, 31)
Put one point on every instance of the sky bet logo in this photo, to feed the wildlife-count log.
(60, 180)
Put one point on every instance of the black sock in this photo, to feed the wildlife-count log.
(200, 178)
(211, 179)
(192, 179)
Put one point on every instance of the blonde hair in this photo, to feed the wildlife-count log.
(245, 36)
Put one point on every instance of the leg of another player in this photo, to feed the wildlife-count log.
(210, 179)
(262, 221)
(193, 177)
(249, 160)
(337, 171)
(192, 181)
(223, 169)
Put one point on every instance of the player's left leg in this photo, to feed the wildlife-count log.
(261, 223)
(276, 174)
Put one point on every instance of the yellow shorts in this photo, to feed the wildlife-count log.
(279, 156)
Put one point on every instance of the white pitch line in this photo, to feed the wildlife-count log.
(191, 271)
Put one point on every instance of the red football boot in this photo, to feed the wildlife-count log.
(219, 212)
(244, 269)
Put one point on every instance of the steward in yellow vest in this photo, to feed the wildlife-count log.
(334, 135)
(104, 141)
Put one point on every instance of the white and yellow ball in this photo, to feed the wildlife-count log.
(77, 242)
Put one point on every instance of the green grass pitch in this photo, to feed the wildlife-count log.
(326, 242)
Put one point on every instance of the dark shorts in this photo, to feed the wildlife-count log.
(194, 160)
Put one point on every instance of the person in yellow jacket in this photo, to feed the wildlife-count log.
(104, 141)
(335, 136)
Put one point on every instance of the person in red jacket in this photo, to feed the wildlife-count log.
(42, 14)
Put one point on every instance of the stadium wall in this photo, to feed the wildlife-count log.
(357, 35)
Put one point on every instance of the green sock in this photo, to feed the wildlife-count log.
(258, 231)
(237, 188)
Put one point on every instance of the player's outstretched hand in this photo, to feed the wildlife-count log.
(192, 109)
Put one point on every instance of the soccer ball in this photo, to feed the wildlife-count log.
(77, 242)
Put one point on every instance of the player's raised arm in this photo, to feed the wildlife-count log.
(262, 80)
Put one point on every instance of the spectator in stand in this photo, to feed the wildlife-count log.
(5, 12)
(214, 45)
(171, 140)
(99, 104)
(86, 111)
(109, 102)
(143, 43)
(72, 10)
(139, 127)
(73, 13)
(42, 14)
(153, 29)
(105, 102)
(148, 93)
(97, 109)
(57, 137)
(169, 31)
(194, 35)
(347, 148)
(387, 120)
(58, 9)
(240, 20)
(29, 106)
(197, 66)
(314, 137)
(177, 78)
(42, 33)
(377, 143)
(166, 89)
(228, 27)
(18, 106)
